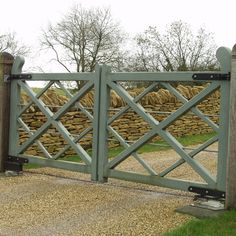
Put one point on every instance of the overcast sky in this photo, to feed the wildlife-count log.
(28, 17)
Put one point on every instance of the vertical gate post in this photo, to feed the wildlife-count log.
(103, 132)
(96, 115)
(6, 62)
(231, 172)
(224, 56)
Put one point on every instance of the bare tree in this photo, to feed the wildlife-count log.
(83, 38)
(178, 49)
(9, 43)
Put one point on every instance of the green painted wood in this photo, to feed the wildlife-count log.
(103, 132)
(155, 180)
(190, 104)
(39, 144)
(18, 65)
(103, 80)
(63, 76)
(40, 131)
(136, 99)
(40, 104)
(158, 76)
(96, 117)
(159, 129)
(62, 87)
(66, 165)
(204, 146)
(50, 116)
(78, 105)
(146, 166)
(198, 167)
(230, 202)
(135, 106)
(85, 89)
(195, 110)
(14, 109)
(76, 139)
(132, 148)
(191, 154)
(38, 95)
(223, 136)
(70, 140)
(223, 55)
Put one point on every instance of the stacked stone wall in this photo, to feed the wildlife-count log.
(130, 125)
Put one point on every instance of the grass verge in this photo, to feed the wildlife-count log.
(162, 145)
(158, 146)
(223, 225)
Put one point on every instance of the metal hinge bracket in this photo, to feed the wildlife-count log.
(207, 193)
(14, 163)
(211, 76)
(8, 78)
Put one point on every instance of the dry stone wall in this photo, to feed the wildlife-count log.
(130, 126)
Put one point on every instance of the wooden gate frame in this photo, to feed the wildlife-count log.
(109, 81)
(16, 150)
(103, 81)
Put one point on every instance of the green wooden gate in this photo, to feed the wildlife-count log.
(19, 86)
(213, 81)
(102, 119)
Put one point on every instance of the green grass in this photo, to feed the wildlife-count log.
(31, 166)
(224, 225)
(57, 90)
(185, 140)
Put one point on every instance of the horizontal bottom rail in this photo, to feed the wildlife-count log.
(66, 165)
(156, 180)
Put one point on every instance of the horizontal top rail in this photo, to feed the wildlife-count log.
(59, 76)
(123, 76)
(161, 76)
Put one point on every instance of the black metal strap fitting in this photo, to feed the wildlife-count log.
(211, 76)
(207, 193)
(8, 78)
(15, 163)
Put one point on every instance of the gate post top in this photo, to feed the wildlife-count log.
(18, 65)
(223, 55)
(106, 69)
(6, 62)
(234, 51)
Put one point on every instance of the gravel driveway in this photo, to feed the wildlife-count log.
(52, 202)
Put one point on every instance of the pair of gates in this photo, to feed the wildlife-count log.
(103, 121)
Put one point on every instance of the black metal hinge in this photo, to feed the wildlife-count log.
(207, 193)
(211, 76)
(8, 78)
(15, 163)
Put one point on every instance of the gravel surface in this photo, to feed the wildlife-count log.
(48, 201)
